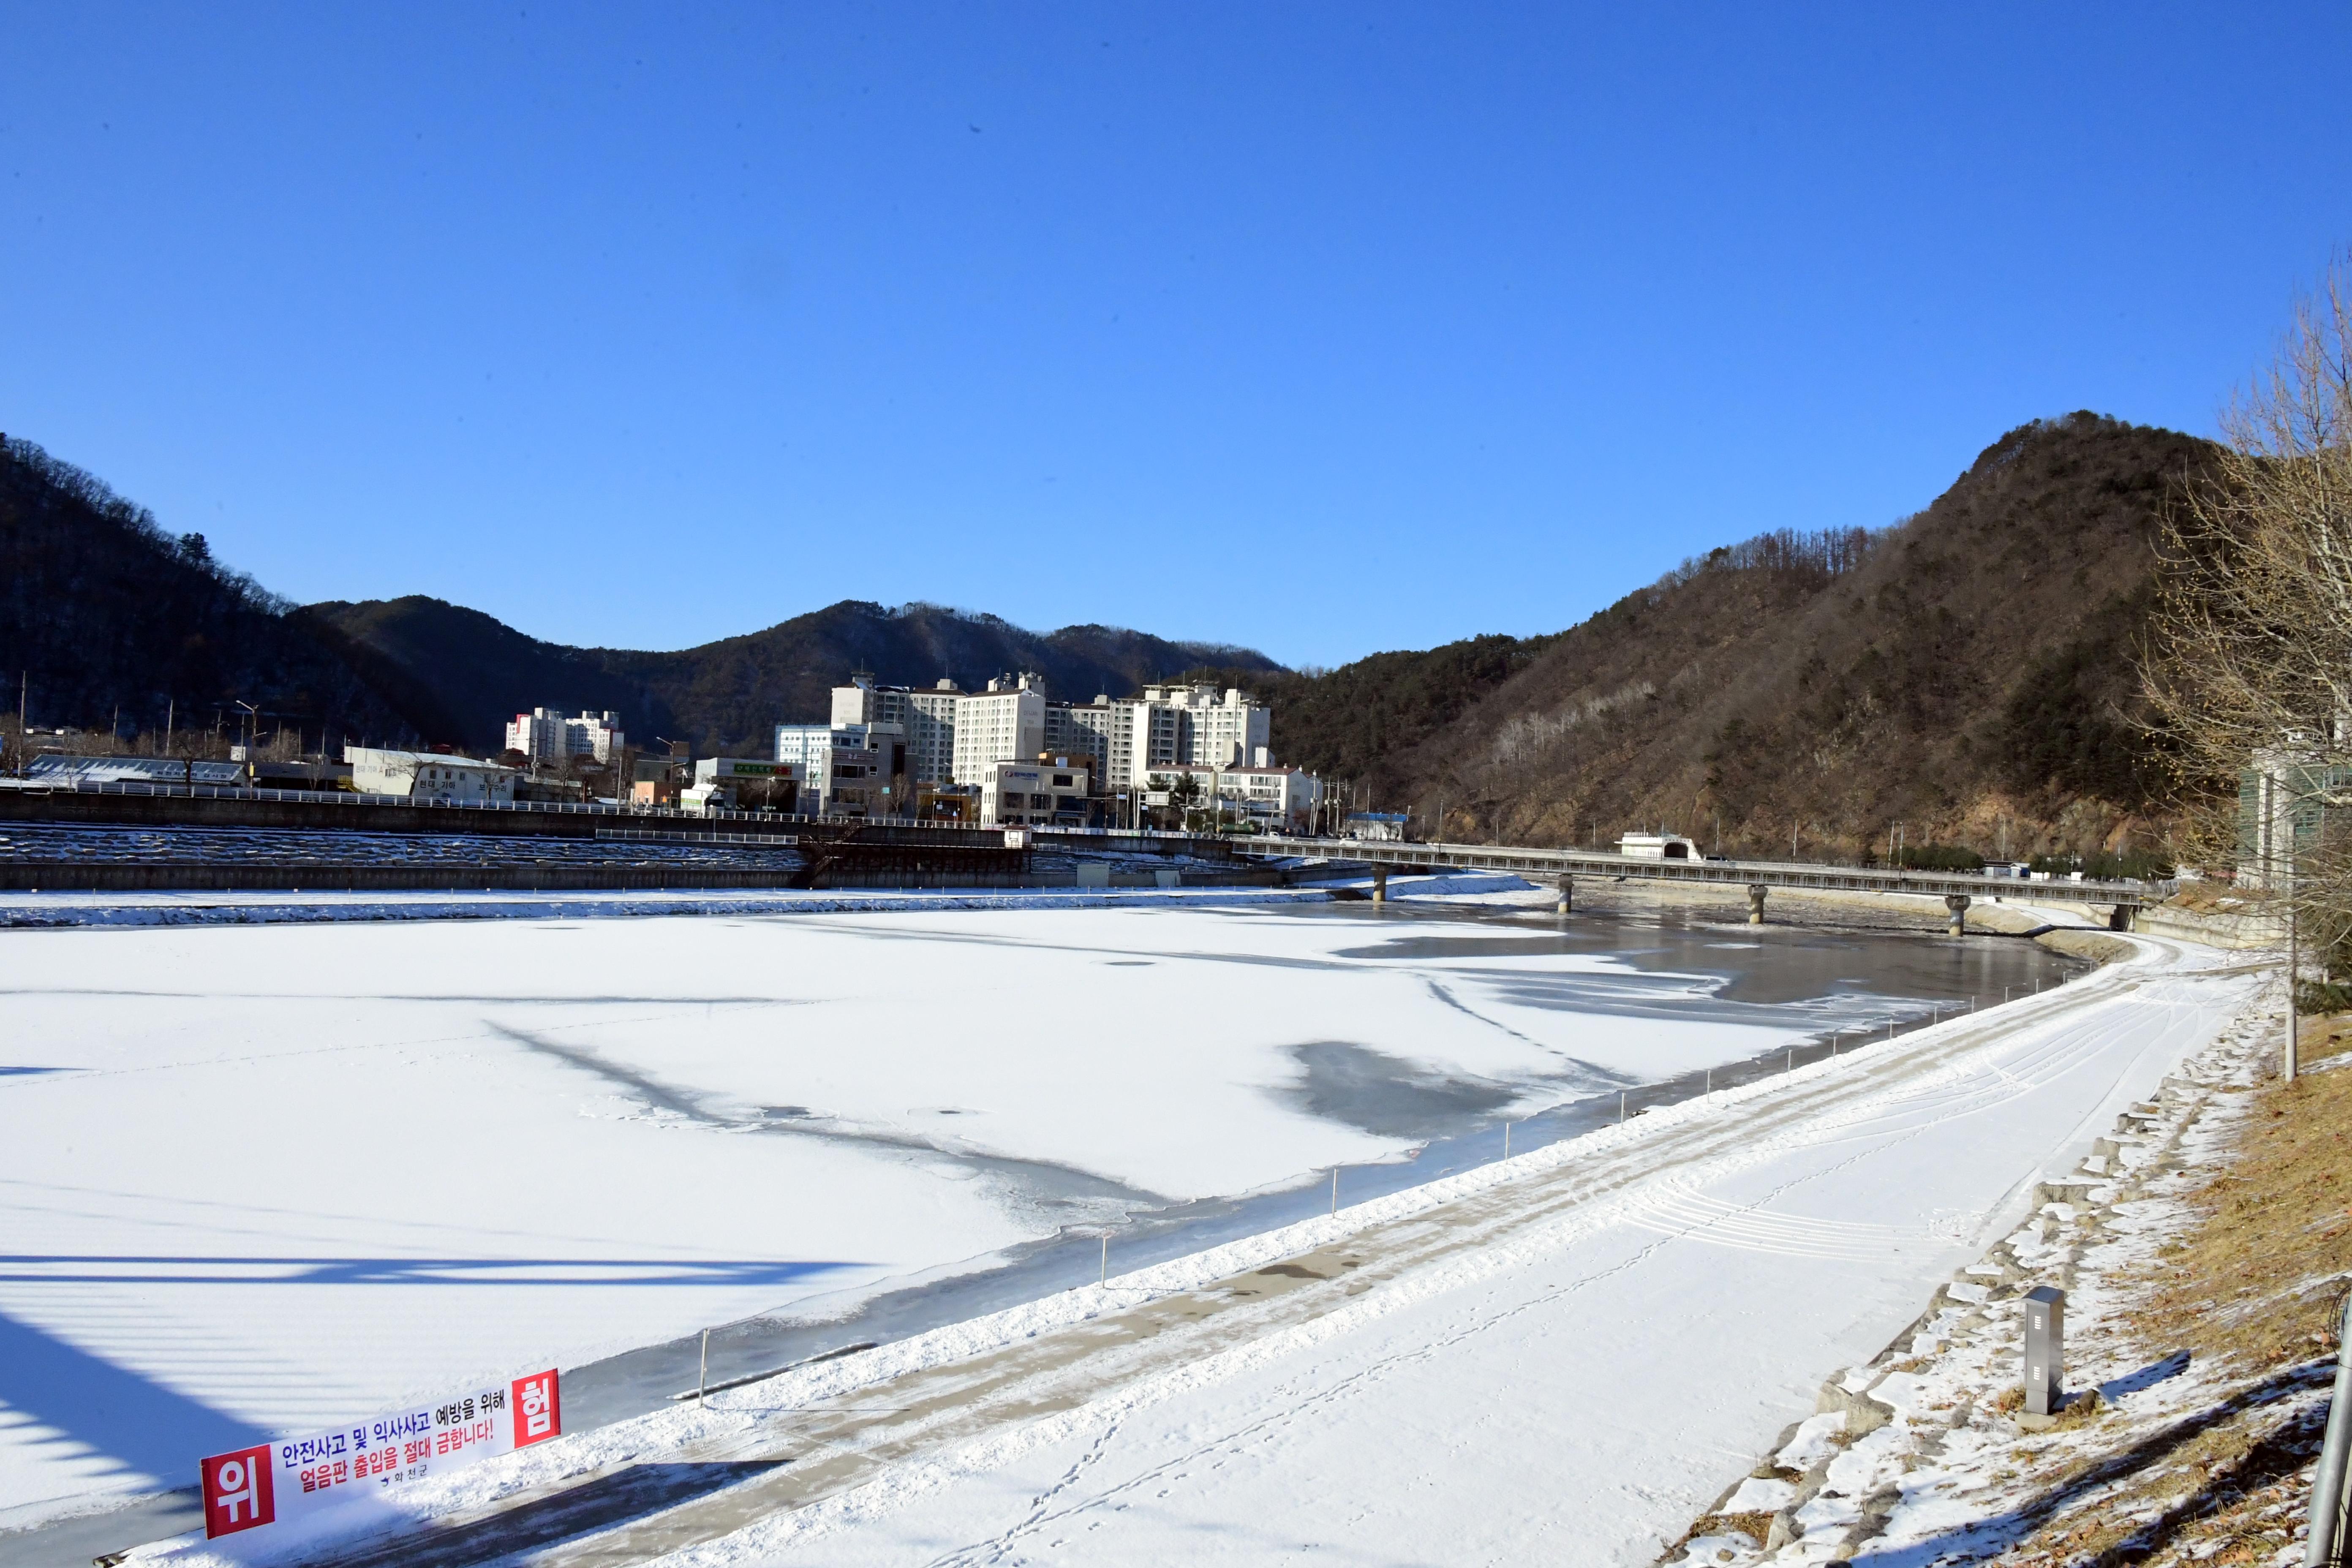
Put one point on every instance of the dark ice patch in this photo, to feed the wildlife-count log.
(1385, 1096)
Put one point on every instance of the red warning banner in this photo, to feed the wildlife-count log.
(260, 1486)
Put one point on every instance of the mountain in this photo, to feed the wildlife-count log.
(478, 672)
(104, 615)
(1968, 673)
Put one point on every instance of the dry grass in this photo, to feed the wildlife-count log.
(2253, 1293)
(1755, 1526)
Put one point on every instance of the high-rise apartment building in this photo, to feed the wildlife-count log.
(952, 735)
(1007, 722)
(546, 736)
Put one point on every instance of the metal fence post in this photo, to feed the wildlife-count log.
(2325, 1548)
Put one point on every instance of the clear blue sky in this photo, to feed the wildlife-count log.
(1321, 328)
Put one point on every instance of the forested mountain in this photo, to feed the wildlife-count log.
(103, 613)
(480, 672)
(1968, 672)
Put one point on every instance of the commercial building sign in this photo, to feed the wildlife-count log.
(272, 1481)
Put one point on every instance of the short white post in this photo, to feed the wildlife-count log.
(1621, 1105)
(1506, 1140)
(703, 1379)
(1335, 1192)
(1106, 1258)
(1710, 1080)
(1792, 1060)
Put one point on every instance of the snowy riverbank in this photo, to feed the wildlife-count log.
(1548, 1355)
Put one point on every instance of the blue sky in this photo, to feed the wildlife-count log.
(1320, 328)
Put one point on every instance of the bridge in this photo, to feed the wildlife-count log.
(1957, 889)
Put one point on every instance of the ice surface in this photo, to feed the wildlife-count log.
(267, 1178)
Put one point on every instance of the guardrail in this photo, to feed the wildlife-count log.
(1771, 873)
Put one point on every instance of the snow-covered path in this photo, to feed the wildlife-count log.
(1562, 1359)
(1563, 1369)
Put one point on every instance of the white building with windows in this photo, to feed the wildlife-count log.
(953, 736)
(927, 714)
(1004, 723)
(1269, 799)
(1191, 724)
(546, 736)
(429, 776)
(1050, 792)
(846, 770)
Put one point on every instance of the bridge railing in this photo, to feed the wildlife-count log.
(1781, 873)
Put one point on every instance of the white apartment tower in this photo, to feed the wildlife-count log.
(1005, 723)
(953, 736)
(1191, 724)
(546, 736)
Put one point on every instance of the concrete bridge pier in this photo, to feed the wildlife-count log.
(1958, 904)
(1756, 903)
(1380, 884)
(1567, 894)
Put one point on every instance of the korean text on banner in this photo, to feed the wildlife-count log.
(296, 1476)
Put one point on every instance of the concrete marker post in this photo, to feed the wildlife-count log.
(2045, 1348)
(703, 1379)
(1104, 1280)
(1335, 1192)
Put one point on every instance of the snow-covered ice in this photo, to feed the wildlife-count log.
(259, 1179)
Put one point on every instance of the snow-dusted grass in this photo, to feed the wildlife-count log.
(264, 1179)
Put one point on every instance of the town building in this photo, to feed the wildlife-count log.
(1195, 724)
(1048, 793)
(1380, 827)
(2284, 794)
(1261, 799)
(927, 714)
(545, 736)
(430, 776)
(1007, 722)
(742, 783)
(845, 770)
(954, 737)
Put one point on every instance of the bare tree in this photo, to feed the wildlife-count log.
(2251, 673)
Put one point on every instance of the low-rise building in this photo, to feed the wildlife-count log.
(1384, 826)
(742, 783)
(1658, 845)
(430, 776)
(845, 770)
(1048, 793)
(1254, 799)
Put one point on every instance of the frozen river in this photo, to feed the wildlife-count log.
(261, 1179)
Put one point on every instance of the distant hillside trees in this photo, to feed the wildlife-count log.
(107, 616)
